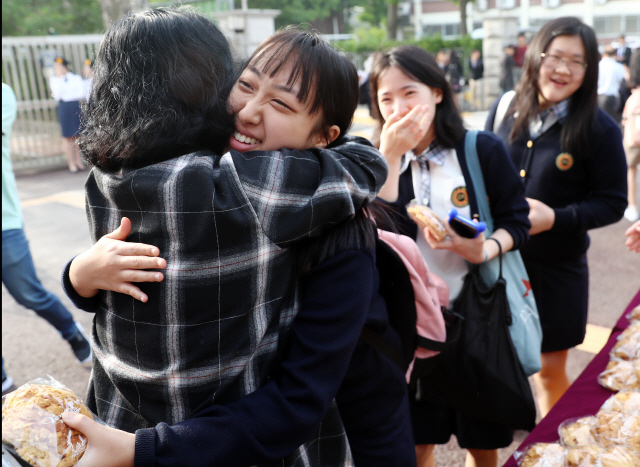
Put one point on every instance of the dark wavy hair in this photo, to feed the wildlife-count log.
(161, 80)
(420, 65)
(582, 117)
(328, 79)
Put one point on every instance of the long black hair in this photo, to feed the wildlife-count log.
(420, 65)
(328, 79)
(161, 82)
(581, 120)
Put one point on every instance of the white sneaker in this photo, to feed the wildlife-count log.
(631, 214)
(7, 383)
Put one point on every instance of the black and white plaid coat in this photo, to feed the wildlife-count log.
(210, 332)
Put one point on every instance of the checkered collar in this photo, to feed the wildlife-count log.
(561, 110)
(434, 153)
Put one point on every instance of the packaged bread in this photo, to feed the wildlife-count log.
(620, 375)
(629, 432)
(635, 314)
(619, 456)
(627, 347)
(543, 455)
(584, 456)
(608, 426)
(578, 431)
(32, 424)
(426, 218)
(626, 402)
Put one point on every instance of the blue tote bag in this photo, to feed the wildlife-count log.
(525, 330)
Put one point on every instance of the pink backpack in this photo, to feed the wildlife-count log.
(417, 302)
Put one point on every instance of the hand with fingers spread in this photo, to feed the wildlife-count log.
(114, 264)
(401, 133)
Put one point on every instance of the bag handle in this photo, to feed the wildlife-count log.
(499, 255)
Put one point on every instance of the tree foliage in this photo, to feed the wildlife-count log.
(41, 17)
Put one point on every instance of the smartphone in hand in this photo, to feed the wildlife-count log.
(464, 226)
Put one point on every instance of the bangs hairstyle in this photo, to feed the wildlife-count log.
(582, 118)
(161, 82)
(421, 66)
(328, 80)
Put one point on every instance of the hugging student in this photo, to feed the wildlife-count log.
(251, 427)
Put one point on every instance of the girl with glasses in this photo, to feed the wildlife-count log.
(569, 155)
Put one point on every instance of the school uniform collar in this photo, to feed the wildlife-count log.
(548, 117)
(434, 153)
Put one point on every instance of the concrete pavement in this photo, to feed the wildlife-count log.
(55, 223)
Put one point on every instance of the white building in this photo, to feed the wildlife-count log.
(609, 18)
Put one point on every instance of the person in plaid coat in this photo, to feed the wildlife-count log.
(213, 331)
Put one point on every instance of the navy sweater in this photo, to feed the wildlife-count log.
(584, 192)
(509, 209)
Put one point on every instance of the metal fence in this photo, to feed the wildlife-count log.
(27, 64)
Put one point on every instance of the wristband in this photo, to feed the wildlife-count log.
(486, 256)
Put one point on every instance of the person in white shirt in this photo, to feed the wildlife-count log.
(68, 90)
(610, 74)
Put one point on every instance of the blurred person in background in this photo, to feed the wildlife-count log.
(475, 83)
(610, 77)
(631, 136)
(18, 272)
(68, 90)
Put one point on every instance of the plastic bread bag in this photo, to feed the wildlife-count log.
(629, 432)
(627, 347)
(634, 315)
(542, 455)
(584, 456)
(626, 402)
(608, 428)
(618, 456)
(426, 218)
(578, 431)
(32, 426)
(620, 375)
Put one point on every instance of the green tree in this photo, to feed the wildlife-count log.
(41, 17)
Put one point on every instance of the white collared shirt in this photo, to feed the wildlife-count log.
(66, 88)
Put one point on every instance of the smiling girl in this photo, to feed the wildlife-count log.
(569, 155)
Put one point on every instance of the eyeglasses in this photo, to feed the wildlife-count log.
(551, 62)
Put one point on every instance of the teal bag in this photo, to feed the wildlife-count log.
(526, 332)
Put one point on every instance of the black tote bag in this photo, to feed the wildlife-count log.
(480, 375)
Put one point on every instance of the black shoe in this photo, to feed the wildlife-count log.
(81, 346)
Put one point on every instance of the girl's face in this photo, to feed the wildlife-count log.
(59, 69)
(397, 93)
(269, 115)
(557, 83)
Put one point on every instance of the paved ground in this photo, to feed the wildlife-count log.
(55, 223)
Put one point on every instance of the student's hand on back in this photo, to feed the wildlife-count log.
(113, 264)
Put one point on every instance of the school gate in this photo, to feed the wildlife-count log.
(27, 64)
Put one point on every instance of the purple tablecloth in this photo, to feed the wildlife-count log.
(584, 397)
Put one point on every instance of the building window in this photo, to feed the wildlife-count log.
(607, 24)
(632, 24)
(451, 29)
